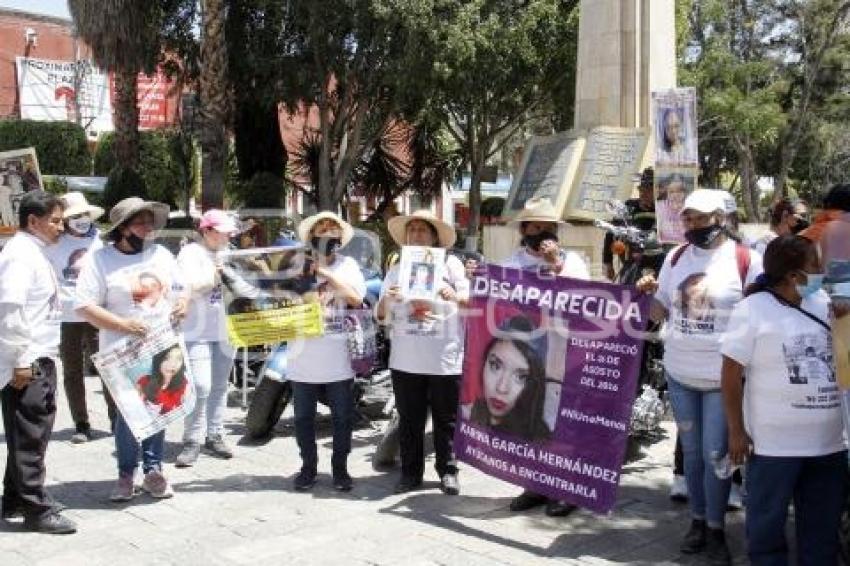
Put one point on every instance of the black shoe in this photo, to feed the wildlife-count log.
(407, 483)
(449, 484)
(11, 511)
(527, 500)
(305, 480)
(52, 523)
(559, 508)
(694, 540)
(716, 551)
(82, 434)
(342, 481)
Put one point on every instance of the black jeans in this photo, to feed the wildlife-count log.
(340, 399)
(28, 416)
(77, 340)
(414, 394)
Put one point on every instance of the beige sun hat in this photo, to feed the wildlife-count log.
(538, 209)
(130, 206)
(306, 226)
(76, 203)
(397, 227)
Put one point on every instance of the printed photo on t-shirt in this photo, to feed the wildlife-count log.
(71, 271)
(696, 309)
(808, 359)
(148, 291)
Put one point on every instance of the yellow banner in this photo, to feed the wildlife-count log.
(841, 350)
(275, 325)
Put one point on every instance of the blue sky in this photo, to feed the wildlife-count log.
(48, 7)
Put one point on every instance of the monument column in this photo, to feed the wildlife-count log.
(626, 50)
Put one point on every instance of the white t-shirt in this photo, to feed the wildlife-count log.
(205, 319)
(699, 293)
(28, 282)
(761, 244)
(434, 346)
(792, 405)
(67, 258)
(326, 359)
(574, 266)
(142, 286)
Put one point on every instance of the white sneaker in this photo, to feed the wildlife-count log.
(156, 484)
(679, 490)
(736, 499)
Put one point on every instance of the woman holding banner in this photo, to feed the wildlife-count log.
(696, 289)
(785, 421)
(538, 224)
(205, 331)
(427, 353)
(323, 365)
(108, 297)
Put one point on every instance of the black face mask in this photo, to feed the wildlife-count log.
(800, 226)
(534, 242)
(136, 243)
(704, 237)
(325, 246)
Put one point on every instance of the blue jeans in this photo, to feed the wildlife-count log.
(211, 364)
(701, 421)
(340, 399)
(817, 486)
(128, 449)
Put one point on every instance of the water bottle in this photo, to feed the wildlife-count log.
(723, 466)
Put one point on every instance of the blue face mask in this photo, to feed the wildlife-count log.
(813, 284)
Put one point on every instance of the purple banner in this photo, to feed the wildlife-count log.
(550, 375)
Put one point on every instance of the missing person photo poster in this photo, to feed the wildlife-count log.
(550, 376)
(672, 187)
(420, 271)
(19, 174)
(675, 113)
(271, 295)
(149, 378)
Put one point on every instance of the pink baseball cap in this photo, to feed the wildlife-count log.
(219, 221)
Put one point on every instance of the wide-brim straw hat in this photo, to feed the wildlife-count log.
(538, 210)
(125, 209)
(307, 224)
(397, 227)
(76, 203)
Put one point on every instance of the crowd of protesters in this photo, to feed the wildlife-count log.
(745, 327)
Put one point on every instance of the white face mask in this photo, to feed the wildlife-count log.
(80, 225)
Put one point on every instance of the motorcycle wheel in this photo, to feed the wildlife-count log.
(270, 399)
(386, 452)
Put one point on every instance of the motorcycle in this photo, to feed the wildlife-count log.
(372, 387)
(643, 255)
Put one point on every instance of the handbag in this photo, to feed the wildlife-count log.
(360, 330)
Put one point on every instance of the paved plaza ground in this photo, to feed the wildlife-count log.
(244, 511)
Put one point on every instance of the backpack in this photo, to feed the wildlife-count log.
(742, 258)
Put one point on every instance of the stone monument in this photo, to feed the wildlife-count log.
(626, 50)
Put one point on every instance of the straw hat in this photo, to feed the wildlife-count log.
(538, 209)
(397, 227)
(129, 207)
(76, 203)
(307, 224)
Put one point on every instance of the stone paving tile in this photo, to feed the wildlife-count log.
(243, 511)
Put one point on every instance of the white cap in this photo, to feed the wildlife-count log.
(705, 201)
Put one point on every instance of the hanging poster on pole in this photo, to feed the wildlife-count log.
(672, 187)
(550, 375)
(19, 174)
(675, 113)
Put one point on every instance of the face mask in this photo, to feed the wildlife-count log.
(136, 243)
(80, 225)
(704, 237)
(534, 242)
(325, 246)
(813, 284)
(800, 226)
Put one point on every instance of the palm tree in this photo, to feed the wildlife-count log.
(124, 36)
(215, 103)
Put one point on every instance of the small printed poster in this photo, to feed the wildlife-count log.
(149, 378)
(19, 174)
(420, 271)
